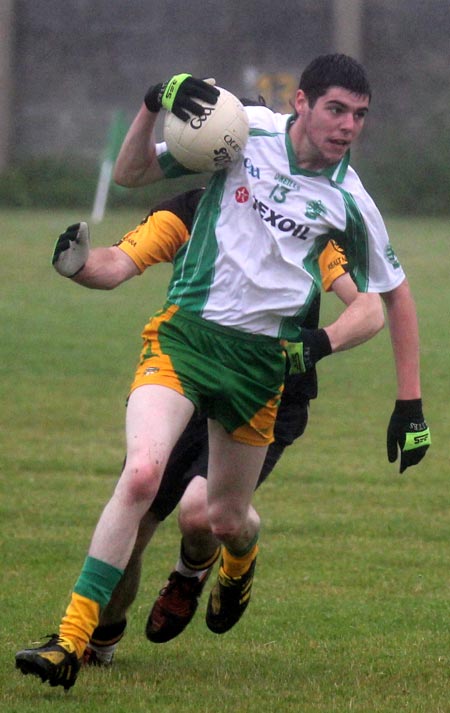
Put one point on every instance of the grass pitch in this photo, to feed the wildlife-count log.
(350, 610)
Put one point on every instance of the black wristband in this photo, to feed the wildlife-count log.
(323, 343)
(409, 407)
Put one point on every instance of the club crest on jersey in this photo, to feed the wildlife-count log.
(391, 256)
(314, 209)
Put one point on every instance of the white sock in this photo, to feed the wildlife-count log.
(181, 568)
(104, 653)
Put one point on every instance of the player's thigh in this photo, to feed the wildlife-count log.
(156, 416)
(233, 467)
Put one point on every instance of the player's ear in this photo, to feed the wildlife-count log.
(300, 102)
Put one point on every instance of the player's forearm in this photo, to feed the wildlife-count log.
(105, 269)
(136, 163)
(404, 330)
(360, 321)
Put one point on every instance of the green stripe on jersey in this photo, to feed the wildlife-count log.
(263, 132)
(170, 166)
(194, 265)
(356, 242)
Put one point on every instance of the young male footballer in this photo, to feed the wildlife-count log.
(242, 286)
(185, 473)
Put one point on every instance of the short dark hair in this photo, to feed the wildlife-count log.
(333, 70)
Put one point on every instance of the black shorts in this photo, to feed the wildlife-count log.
(190, 455)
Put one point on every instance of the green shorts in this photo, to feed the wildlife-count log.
(229, 375)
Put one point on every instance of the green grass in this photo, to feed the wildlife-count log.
(351, 599)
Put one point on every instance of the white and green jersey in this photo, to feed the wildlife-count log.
(251, 262)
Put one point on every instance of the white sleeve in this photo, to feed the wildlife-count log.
(385, 271)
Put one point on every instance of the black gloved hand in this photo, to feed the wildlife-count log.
(175, 96)
(407, 431)
(305, 354)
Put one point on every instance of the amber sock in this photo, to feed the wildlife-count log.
(78, 623)
(236, 566)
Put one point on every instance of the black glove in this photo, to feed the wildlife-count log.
(175, 96)
(304, 355)
(408, 431)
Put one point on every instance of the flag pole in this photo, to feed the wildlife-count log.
(116, 135)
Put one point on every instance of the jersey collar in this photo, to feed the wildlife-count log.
(335, 173)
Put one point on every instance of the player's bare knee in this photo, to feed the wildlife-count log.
(193, 517)
(140, 481)
(193, 511)
(194, 522)
(225, 523)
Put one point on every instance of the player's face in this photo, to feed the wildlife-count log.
(326, 131)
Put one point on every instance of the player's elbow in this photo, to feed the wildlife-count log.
(128, 179)
(371, 314)
(137, 174)
(123, 178)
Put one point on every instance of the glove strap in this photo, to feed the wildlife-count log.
(416, 440)
(171, 90)
(294, 350)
